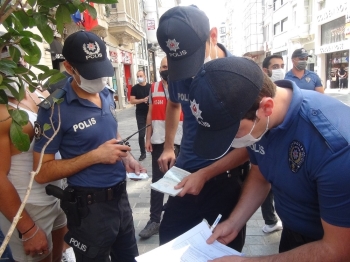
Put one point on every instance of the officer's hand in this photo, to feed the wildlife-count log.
(110, 152)
(191, 184)
(36, 245)
(132, 166)
(228, 259)
(224, 233)
(166, 160)
(148, 146)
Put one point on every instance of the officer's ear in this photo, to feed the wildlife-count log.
(70, 70)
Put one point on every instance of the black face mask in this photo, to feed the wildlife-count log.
(164, 74)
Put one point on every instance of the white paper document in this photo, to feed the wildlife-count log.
(170, 179)
(189, 247)
(134, 176)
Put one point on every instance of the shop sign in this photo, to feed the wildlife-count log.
(334, 47)
(151, 24)
(329, 14)
(113, 56)
(126, 57)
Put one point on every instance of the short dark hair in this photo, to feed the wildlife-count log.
(268, 90)
(266, 61)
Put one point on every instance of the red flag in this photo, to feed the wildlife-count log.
(89, 22)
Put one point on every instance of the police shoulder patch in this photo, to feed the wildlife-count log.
(296, 155)
(38, 131)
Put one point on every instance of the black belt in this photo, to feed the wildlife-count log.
(94, 195)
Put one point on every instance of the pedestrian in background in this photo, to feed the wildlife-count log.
(139, 97)
(304, 78)
(155, 137)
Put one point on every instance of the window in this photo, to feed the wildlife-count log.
(223, 30)
(284, 24)
(274, 5)
(113, 5)
(276, 28)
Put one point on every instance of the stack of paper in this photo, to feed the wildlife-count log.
(189, 247)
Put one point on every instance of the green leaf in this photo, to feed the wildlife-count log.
(45, 75)
(20, 70)
(42, 67)
(46, 127)
(20, 116)
(76, 2)
(6, 67)
(15, 53)
(1, 78)
(40, 19)
(72, 8)
(104, 1)
(23, 17)
(58, 101)
(92, 11)
(3, 97)
(33, 59)
(56, 78)
(31, 2)
(47, 32)
(62, 16)
(20, 140)
(51, 3)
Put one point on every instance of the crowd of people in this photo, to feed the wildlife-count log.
(248, 136)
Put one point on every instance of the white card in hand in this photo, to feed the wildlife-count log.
(134, 176)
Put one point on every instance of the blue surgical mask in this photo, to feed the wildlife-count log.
(140, 80)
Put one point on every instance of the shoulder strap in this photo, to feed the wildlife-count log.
(57, 94)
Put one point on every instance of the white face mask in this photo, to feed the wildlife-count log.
(277, 74)
(140, 80)
(248, 139)
(93, 86)
(208, 58)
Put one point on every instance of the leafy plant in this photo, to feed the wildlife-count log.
(18, 18)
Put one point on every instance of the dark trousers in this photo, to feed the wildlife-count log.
(157, 198)
(291, 239)
(218, 196)
(107, 230)
(141, 118)
(268, 210)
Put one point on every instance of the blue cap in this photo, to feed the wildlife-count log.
(87, 53)
(182, 33)
(220, 95)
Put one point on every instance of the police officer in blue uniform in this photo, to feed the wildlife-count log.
(84, 128)
(298, 142)
(304, 78)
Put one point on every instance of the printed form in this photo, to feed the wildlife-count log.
(189, 247)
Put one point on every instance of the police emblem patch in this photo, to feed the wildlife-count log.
(114, 113)
(198, 113)
(308, 79)
(172, 45)
(37, 130)
(296, 156)
(92, 50)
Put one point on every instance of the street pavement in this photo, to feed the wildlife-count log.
(257, 242)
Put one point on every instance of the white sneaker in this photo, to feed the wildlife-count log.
(272, 228)
(68, 255)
